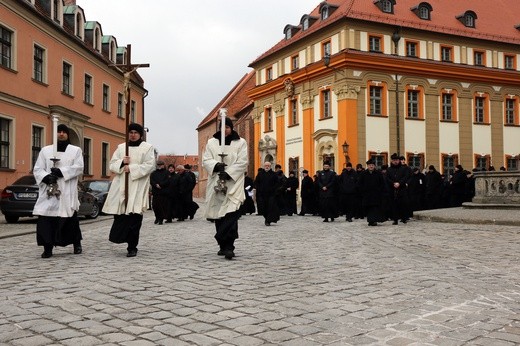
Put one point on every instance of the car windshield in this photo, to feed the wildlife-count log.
(97, 185)
(26, 180)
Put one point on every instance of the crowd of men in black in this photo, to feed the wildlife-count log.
(172, 193)
(392, 192)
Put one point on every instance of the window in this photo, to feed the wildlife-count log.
(305, 23)
(374, 43)
(120, 105)
(325, 104)
(509, 62)
(511, 115)
(67, 79)
(293, 111)
(104, 159)
(56, 10)
(106, 97)
(469, 21)
(87, 97)
(424, 12)
(97, 40)
(448, 165)
(5, 145)
(38, 63)
(324, 12)
(325, 49)
(379, 159)
(511, 163)
(479, 58)
(481, 109)
(86, 155)
(448, 106)
(376, 100)
(79, 25)
(482, 162)
(413, 104)
(415, 161)
(37, 142)
(268, 113)
(412, 49)
(132, 111)
(295, 62)
(269, 74)
(294, 165)
(386, 6)
(6, 38)
(446, 53)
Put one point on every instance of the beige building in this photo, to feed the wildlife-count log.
(437, 82)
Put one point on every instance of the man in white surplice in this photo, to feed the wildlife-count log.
(223, 208)
(58, 223)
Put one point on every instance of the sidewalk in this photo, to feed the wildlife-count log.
(480, 216)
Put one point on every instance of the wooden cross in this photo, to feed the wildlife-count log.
(128, 68)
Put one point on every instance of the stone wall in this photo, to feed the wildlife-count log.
(497, 188)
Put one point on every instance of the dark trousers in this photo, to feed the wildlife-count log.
(125, 229)
(227, 230)
(160, 207)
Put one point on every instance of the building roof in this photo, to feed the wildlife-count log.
(496, 21)
(235, 101)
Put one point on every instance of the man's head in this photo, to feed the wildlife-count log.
(179, 169)
(228, 123)
(349, 166)
(63, 132)
(326, 165)
(160, 164)
(277, 167)
(305, 172)
(267, 166)
(135, 132)
(395, 159)
(371, 165)
(171, 168)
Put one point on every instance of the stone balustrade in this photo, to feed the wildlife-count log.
(501, 189)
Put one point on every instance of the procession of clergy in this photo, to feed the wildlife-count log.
(228, 194)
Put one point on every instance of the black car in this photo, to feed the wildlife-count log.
(98, 188)
(18, 200)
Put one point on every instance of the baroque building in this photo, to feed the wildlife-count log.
(53, 61)
(435, 81)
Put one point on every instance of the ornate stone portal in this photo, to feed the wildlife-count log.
(267, 149)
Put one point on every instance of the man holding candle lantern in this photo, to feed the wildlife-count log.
(58, 165)
(225, 159)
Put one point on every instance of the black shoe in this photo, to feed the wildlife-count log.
(131, 253)
(404, 221)
(326, 220)
(46, 254)
(159, 223)
(78, 250)
(229, 254)
(191, 217)
(156, 222)
(180, 219)
(349, 219)
(332, 220)
(267, 223)
(220, 253)
(372, 224)
(168, 221)
(395, 222)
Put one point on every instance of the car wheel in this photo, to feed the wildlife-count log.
(11, 218)
(95, 211)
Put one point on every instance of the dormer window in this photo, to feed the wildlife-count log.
(326, 10)
(289, 31)
(387, 6)
(307, 21)
(468, 18)
(423, 10)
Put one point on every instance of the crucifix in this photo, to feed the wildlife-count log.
(128, 68)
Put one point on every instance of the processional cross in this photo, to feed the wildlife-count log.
(128, 68)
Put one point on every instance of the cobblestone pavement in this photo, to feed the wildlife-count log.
(299, 282)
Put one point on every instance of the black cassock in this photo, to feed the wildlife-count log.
(58, 231)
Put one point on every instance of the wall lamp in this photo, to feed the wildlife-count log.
(326, 62)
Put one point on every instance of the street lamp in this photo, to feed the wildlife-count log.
(345, 146)
(326, 62)
(396, 37)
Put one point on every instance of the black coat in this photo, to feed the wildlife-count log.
(348, 182)
(371, 185)
(160, 177)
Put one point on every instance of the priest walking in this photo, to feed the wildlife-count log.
(225, 186)
(128, 207)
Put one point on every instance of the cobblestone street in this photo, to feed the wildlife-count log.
(299, 282)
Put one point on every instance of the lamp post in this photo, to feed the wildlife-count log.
(396, 37)
(345, 146)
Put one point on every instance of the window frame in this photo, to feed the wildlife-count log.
(415, 45)
(379, 158)
(511, 117)
(39, 64)
(104, 159)
(295, 62)
(5, 142)
(377, 40)
(6, 47)
(67, 80)
(453, 106)
(419, 103)
(293, 111)
(120, 103)
(87, 148)
(36, 143)
(105, 105)
(449, 50)
(481, 111)
(383, 98)
(454, 161)
(87, 89)
(511, 163)
(268, 119)
(482, 54)
(269, 74)
(325, 103)
(509, 62)
(422, 10)
(481, 162)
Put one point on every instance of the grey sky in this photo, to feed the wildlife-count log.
(198, 50)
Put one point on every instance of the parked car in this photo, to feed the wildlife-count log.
(98, 188)
(18, 200)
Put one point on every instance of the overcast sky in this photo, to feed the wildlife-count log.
(197, 51)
